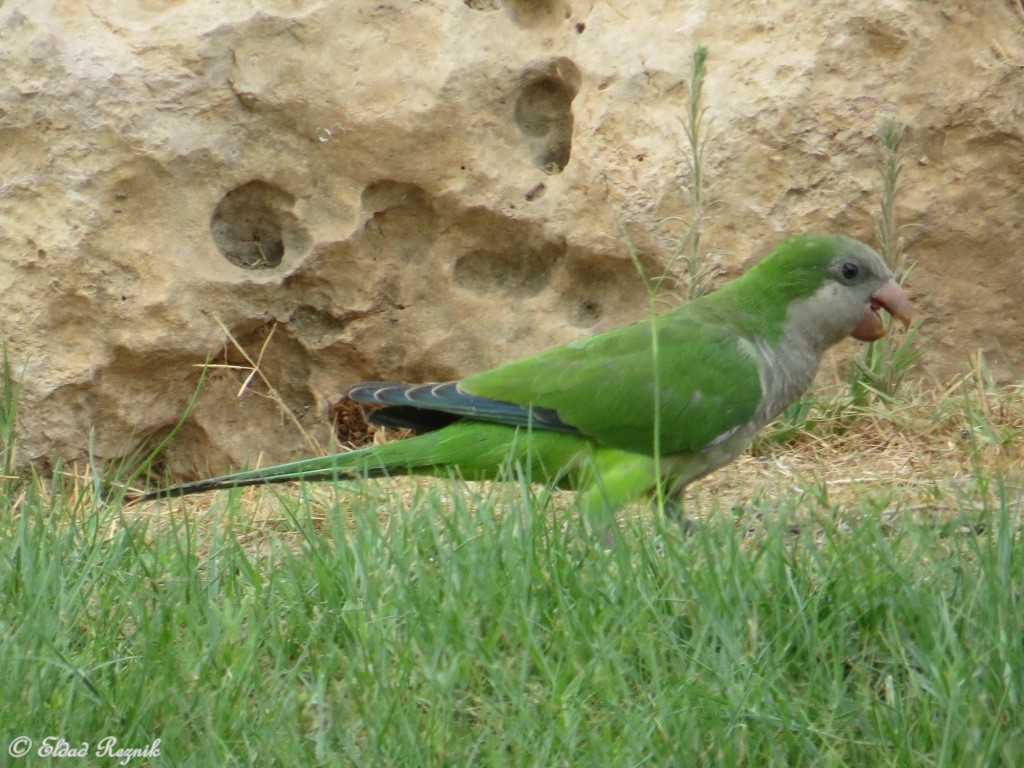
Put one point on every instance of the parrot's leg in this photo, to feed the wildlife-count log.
(675, 506)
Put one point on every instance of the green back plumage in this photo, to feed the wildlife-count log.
(605, 387)
(706, 368)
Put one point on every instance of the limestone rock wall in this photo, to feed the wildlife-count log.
(345, 189)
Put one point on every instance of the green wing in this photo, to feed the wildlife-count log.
(707, 384)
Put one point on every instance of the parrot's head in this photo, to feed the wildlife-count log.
(833, 287)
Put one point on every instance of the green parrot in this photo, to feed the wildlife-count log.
(665, 400)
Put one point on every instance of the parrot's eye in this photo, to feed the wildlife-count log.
(850, 270)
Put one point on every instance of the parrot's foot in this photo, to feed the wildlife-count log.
(610, 536)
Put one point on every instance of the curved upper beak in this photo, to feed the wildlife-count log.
(893, 299)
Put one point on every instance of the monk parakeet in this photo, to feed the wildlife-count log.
(668, 399)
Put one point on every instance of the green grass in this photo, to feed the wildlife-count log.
(485, 627)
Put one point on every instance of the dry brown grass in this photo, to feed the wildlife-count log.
(927, 455)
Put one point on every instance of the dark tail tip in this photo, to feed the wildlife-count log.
(186, 489)
(220, 484)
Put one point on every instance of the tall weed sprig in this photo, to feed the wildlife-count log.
(700, 270)
(883, 364)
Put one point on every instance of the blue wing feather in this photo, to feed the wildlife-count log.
(426, 407)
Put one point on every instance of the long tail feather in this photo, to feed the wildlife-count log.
(476, 451)
(334, 467)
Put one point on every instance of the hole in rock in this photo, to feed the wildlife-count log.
(253, 226)
(543, 113)
(535, 13)
(511, 272)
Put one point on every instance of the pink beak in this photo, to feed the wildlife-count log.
(893, 299)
